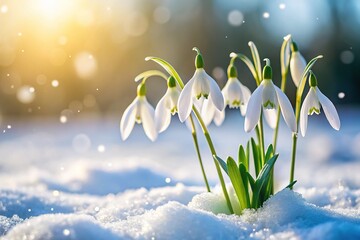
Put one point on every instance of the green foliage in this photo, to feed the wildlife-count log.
(251, 192)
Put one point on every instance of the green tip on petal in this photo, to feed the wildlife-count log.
(312, 80)
(199, 62)
(171, 82)
(294, 47)
(232, 71)
(267, 71)
(141, 90)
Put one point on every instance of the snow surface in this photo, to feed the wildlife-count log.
(57, 183)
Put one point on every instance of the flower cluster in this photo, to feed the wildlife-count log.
(202, 97)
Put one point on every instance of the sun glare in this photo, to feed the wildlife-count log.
(53, 8)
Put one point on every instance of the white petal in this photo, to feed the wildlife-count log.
(270, 117)
(128, 120)
(147, 119)
(297, 66)
(219, 117)
(287, 53)
(246, 93)
(253, 109)
(174, 94)
(329, 110)
(215, 94)
(207, 112)
(269, 95)
(225, 91)
(201, 84)
(162, 115)
(185, 101)
(286, 109)
(304, 113)
(233, 91)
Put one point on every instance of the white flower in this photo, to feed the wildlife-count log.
(297, 64)
(312, 103)
(268, 96)
(166, 107)
(139, 111)
(200, 85)
(236, 95)
(209, 113)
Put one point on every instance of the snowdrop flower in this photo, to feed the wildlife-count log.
(210, 113)
(297, 64)
(201, 85)
(268, 96)
(312, 103)
(236, 94)
(167, 106)
(139, 111)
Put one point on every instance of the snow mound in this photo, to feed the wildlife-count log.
(287, 210)
(176, 221)
(61, 226)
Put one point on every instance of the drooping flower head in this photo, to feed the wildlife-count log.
(201, 85)
(167, 105)
(236, 95)
(297, 64)
(141, 112)
(267, 96)
(313, 101)
(210, 113)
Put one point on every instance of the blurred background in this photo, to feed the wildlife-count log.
(67, 57)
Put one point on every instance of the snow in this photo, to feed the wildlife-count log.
(142, 190)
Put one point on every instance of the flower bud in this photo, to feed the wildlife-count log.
(171, 82)
(312, 80)
(141, 90)
(232, 71)
(267, 72)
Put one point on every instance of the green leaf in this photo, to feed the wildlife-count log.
(265, 172)
(262, 179)
(167, 66)
(237, 182)
(243, 174)
(269, 152)
(248, 154)
(256, 156)
(304, 75)
(256, 58)
(149, 73)
(242, 157)
(222, 163)
(251, 181)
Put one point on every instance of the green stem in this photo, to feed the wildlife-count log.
(262, 144)
(213, 152)
(194, 135)
(293, 155)
(294, 138)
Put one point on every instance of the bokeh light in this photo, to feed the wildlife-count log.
(81, 143)
(26, 94)
(85, 65)
(235, 18)
(347, 57)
